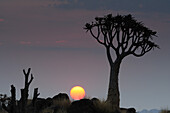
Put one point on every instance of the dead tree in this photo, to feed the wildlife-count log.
(11, 107)
(24, 92)
(125, 36)
(13, 100)
(36, 94)
(21, 106)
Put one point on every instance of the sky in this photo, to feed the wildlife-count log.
(48, 37)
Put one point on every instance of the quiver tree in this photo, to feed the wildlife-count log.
(125, 36)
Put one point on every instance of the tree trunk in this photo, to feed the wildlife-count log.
(23, 100)
(13, 100)
(36, 94)
(24, 92)
(113, 97)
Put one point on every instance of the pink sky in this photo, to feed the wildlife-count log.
(51, 40)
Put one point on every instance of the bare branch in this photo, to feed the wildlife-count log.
(123, 34)
(28, 72)
(31, 79)
(97, 37)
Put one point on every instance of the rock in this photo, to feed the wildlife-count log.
(127, 110)
(61, 102)
(82, 106)
(42, 103)
(61, 96)
(131, 110)
(49, 102)
(95, 100)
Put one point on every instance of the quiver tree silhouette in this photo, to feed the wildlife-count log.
(125, 36)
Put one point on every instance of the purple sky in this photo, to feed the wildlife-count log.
(48, 36)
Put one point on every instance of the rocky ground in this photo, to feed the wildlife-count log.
(62, 104)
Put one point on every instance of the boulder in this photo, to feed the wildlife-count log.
(61, 96)
(61, 102)
(49, 102)
(42, 103)
(95, 100)
(127, 110)
(82, 106)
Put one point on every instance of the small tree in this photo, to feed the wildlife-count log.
(125, 36)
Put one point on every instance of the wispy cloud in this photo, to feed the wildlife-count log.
(168, 21)
(25, 42)
(38, 43)
(56, 3)
(128, 5)
(1, 20)
(60, 41)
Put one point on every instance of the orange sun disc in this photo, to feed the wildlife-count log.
(77, 93)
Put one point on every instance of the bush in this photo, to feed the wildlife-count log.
(165, 111)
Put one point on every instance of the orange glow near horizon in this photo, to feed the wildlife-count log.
(77, 93)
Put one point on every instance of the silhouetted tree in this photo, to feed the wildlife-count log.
(11, 105)
(20, 106)
(125, 36)
(24, 92)
(36, 94)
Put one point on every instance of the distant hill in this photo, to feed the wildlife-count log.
(149, 111)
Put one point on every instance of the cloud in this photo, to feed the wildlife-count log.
(56, 3)
(168, 21)
(25, 42)
(1, 20)
(61, 41)
(128, 5)
(43, 43)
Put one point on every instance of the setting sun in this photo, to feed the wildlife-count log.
(77, 93)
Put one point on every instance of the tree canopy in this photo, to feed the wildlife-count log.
(123, 34)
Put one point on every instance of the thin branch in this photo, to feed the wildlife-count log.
(31, 79)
